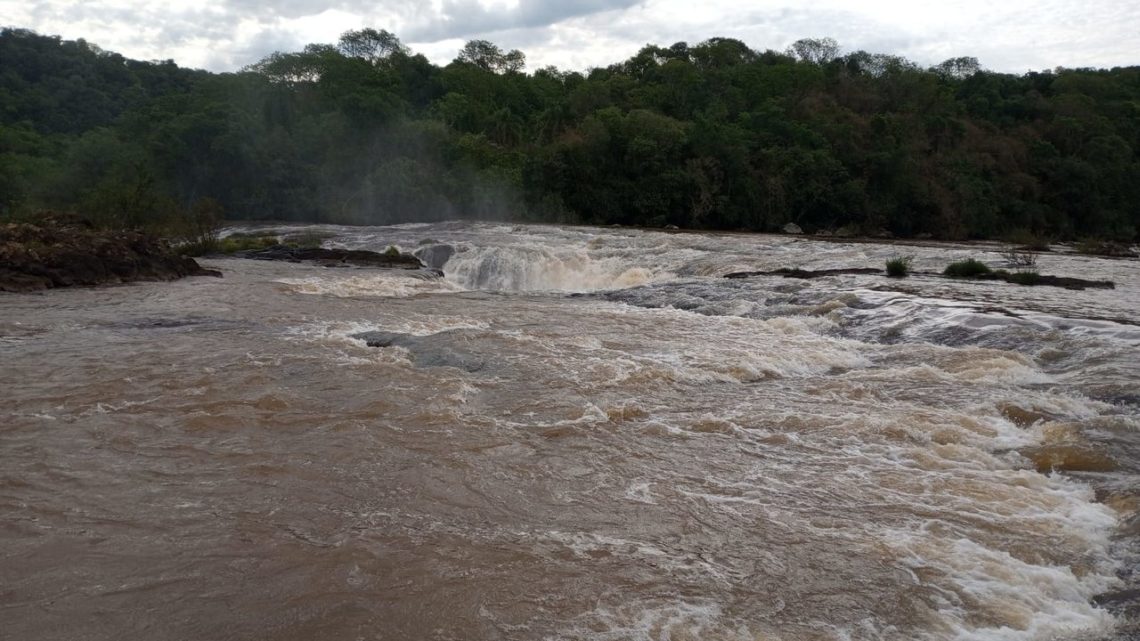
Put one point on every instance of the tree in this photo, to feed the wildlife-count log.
(957, 68)
(489, 57)
(370, 44)
(714, 135)
(716, 53)
(817, 51)
(296, 68)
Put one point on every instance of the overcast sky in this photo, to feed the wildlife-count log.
(224, 35)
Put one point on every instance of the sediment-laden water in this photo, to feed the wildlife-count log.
(579, 434)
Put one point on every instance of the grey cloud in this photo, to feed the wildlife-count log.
(261, 45)
(462, 18)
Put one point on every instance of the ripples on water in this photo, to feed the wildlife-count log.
(585, 434)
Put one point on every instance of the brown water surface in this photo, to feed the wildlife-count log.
(582, 434)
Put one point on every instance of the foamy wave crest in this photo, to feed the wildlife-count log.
(381, 285)
(994, 596)
(534, 268)
(342, 332)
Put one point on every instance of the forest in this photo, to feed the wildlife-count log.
(714, 135)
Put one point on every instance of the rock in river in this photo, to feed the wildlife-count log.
(444, 349)
(435, 256)
(325, 256)
(66, 251)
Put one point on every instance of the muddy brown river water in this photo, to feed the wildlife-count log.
(576, 434)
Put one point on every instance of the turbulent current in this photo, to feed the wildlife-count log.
(575, 434)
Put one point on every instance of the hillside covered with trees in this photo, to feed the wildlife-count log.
(713, 135)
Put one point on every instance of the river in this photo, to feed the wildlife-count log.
(581, 433)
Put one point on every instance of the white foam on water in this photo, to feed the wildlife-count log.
(110, 408)
(993, 596)
(681, 620)
(989, 594)
(341, 332)
(383, 285)
(734, 349)
(641, 493)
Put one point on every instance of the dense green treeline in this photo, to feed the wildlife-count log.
(714, 135)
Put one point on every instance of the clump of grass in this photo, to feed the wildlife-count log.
(899, 266)
(969, 268)
(392, 251)
(227, 245)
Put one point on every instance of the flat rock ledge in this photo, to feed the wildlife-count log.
(64, 251)
(806, 273)
(334, 257)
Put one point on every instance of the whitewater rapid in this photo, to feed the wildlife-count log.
(576, 433)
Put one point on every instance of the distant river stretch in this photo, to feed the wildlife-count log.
(578, 433)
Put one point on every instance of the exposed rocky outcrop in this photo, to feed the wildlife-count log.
(335, 257)
(805, 273)
(1020, 278)
(65, 251)
(1035, 279)
(436, 255)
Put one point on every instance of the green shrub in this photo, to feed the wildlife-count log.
(1024, 278)
(969, 268)
(227, 245)
(392, 251)
(899, 266)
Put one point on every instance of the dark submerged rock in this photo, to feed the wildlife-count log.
(381, 339)
(65, 251)
(444, 349)
(805, 273)
(1033, 279)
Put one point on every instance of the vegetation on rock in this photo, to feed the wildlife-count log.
(899, 267)
(976, 270)
(968, 268)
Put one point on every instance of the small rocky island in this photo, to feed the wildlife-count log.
(67, 251)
